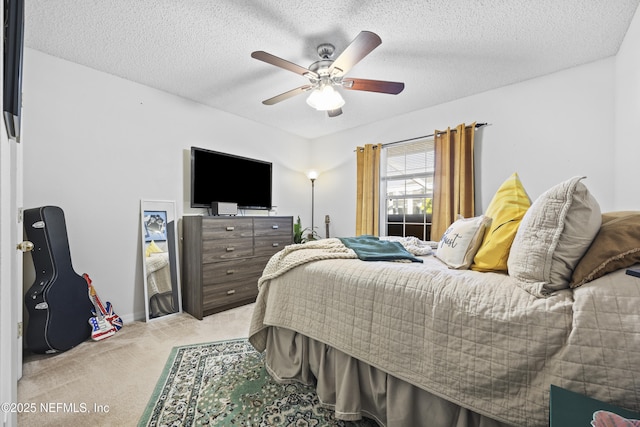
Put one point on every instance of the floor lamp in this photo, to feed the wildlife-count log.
(312, 176)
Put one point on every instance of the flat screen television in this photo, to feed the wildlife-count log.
(12, 82)
(222, 177)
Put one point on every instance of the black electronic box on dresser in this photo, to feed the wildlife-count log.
(224, 256)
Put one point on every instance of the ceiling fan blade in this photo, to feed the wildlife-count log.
(381, 86)
(360, 47)
(334, 113)
(282, 63)
(286, 95)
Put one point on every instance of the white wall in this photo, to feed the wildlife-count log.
(627, 110)
(547, 129)
(95, 144)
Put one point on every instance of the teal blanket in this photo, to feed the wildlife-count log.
(371, 248)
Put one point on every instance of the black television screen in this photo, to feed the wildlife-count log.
(221, 177)
(12, 82)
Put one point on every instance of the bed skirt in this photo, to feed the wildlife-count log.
(354, 389)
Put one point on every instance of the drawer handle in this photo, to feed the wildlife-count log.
(275, 245)
(275, 226)
(230, 228)
(231, 271)
(231, 292)
(231, 249)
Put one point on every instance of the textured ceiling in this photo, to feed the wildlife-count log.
(441, 49)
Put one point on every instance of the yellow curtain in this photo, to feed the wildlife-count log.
(368, 189)
(453, 182)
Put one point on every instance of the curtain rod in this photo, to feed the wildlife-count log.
(478, 125)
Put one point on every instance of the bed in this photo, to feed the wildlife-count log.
(416, 341)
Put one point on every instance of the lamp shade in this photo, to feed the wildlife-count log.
(325, 98)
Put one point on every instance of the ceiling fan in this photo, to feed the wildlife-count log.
(327, 74)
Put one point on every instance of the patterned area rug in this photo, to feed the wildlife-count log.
(225, 384)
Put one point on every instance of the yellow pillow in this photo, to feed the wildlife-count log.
(506, 209)
(152, 248)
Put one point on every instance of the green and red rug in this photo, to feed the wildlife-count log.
(225, 384)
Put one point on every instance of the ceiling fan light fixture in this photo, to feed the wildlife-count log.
(325, 98)
(326, 74)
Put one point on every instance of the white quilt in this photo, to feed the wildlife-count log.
(476, 339)
(158, 274)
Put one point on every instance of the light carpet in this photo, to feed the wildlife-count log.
(225, 384)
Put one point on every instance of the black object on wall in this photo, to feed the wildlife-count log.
(222, 177)
(13, 52)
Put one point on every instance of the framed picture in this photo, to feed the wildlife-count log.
(155, 226)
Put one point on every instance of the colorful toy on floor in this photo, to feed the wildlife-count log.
(105, 322)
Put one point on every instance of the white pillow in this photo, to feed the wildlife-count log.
(461, 241)
(554, 234)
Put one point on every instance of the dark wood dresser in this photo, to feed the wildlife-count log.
(223, 258)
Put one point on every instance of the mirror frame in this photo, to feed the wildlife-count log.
(170, 234)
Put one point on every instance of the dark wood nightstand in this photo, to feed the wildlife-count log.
(569, 409)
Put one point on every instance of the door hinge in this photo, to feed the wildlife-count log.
(19, 329)
(20, 215)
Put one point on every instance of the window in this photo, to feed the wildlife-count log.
(407, 188)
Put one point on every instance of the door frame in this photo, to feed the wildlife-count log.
(11, 287)
(10, 273)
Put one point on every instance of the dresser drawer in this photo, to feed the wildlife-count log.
(232, 271)
(226, 228)
(269, 226)
(266, 246)
(220, 250)
(215, 296)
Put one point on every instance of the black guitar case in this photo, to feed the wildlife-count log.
(58, 301)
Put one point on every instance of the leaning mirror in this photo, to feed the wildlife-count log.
(160, 258)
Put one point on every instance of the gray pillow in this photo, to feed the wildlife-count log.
(554, 234)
